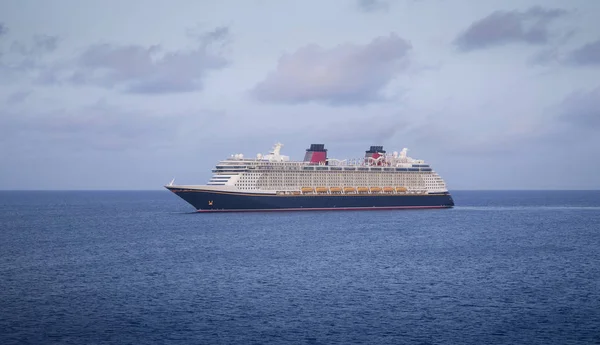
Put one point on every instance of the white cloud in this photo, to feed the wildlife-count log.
(345, 74)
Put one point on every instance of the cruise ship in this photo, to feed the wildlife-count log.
(273, 182)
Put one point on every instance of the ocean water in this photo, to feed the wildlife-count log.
(514, 267)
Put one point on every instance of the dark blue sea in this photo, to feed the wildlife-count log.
(510, 267)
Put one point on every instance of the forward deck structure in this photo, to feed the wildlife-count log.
(273, 182)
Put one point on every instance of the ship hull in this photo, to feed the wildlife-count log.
(216, 201)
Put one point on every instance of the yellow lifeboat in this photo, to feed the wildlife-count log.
(349, 190)
(335, 189)
(363, 189)
(388, 189)
(307, 189)
(375, 189)
(322, 189)
(401, 189)
(295, 193)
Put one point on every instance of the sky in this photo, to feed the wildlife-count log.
(131, 94)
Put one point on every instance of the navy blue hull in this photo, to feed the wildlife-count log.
(210, 201)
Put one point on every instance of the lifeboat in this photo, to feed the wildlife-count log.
(363, 189)
(375, 189)
(335, 189)
(349, 190)
(388, 189)
(295, 193)
(401, 189)
(307, 189)
(322, 189)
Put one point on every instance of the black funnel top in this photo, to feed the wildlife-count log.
(374, 149)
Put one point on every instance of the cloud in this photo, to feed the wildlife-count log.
(41, 44)
(587, 55)
(582, 109)
(17, 97)
(3, 29)
(506, 139)
(150, 69)
(546, 57)
(131, 68)
(23, 58)
(345, 74)
(571, 122)
(373, 5)
(503, 27)
(101, 126)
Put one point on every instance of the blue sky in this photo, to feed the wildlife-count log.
(130, 94)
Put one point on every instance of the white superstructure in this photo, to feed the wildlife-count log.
(276, 173)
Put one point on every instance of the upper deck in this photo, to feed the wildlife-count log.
(377, 161)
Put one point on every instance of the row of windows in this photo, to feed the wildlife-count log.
(333, 173)
(274, 180)
(231, 167)
(343, 181)
(322, 168)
